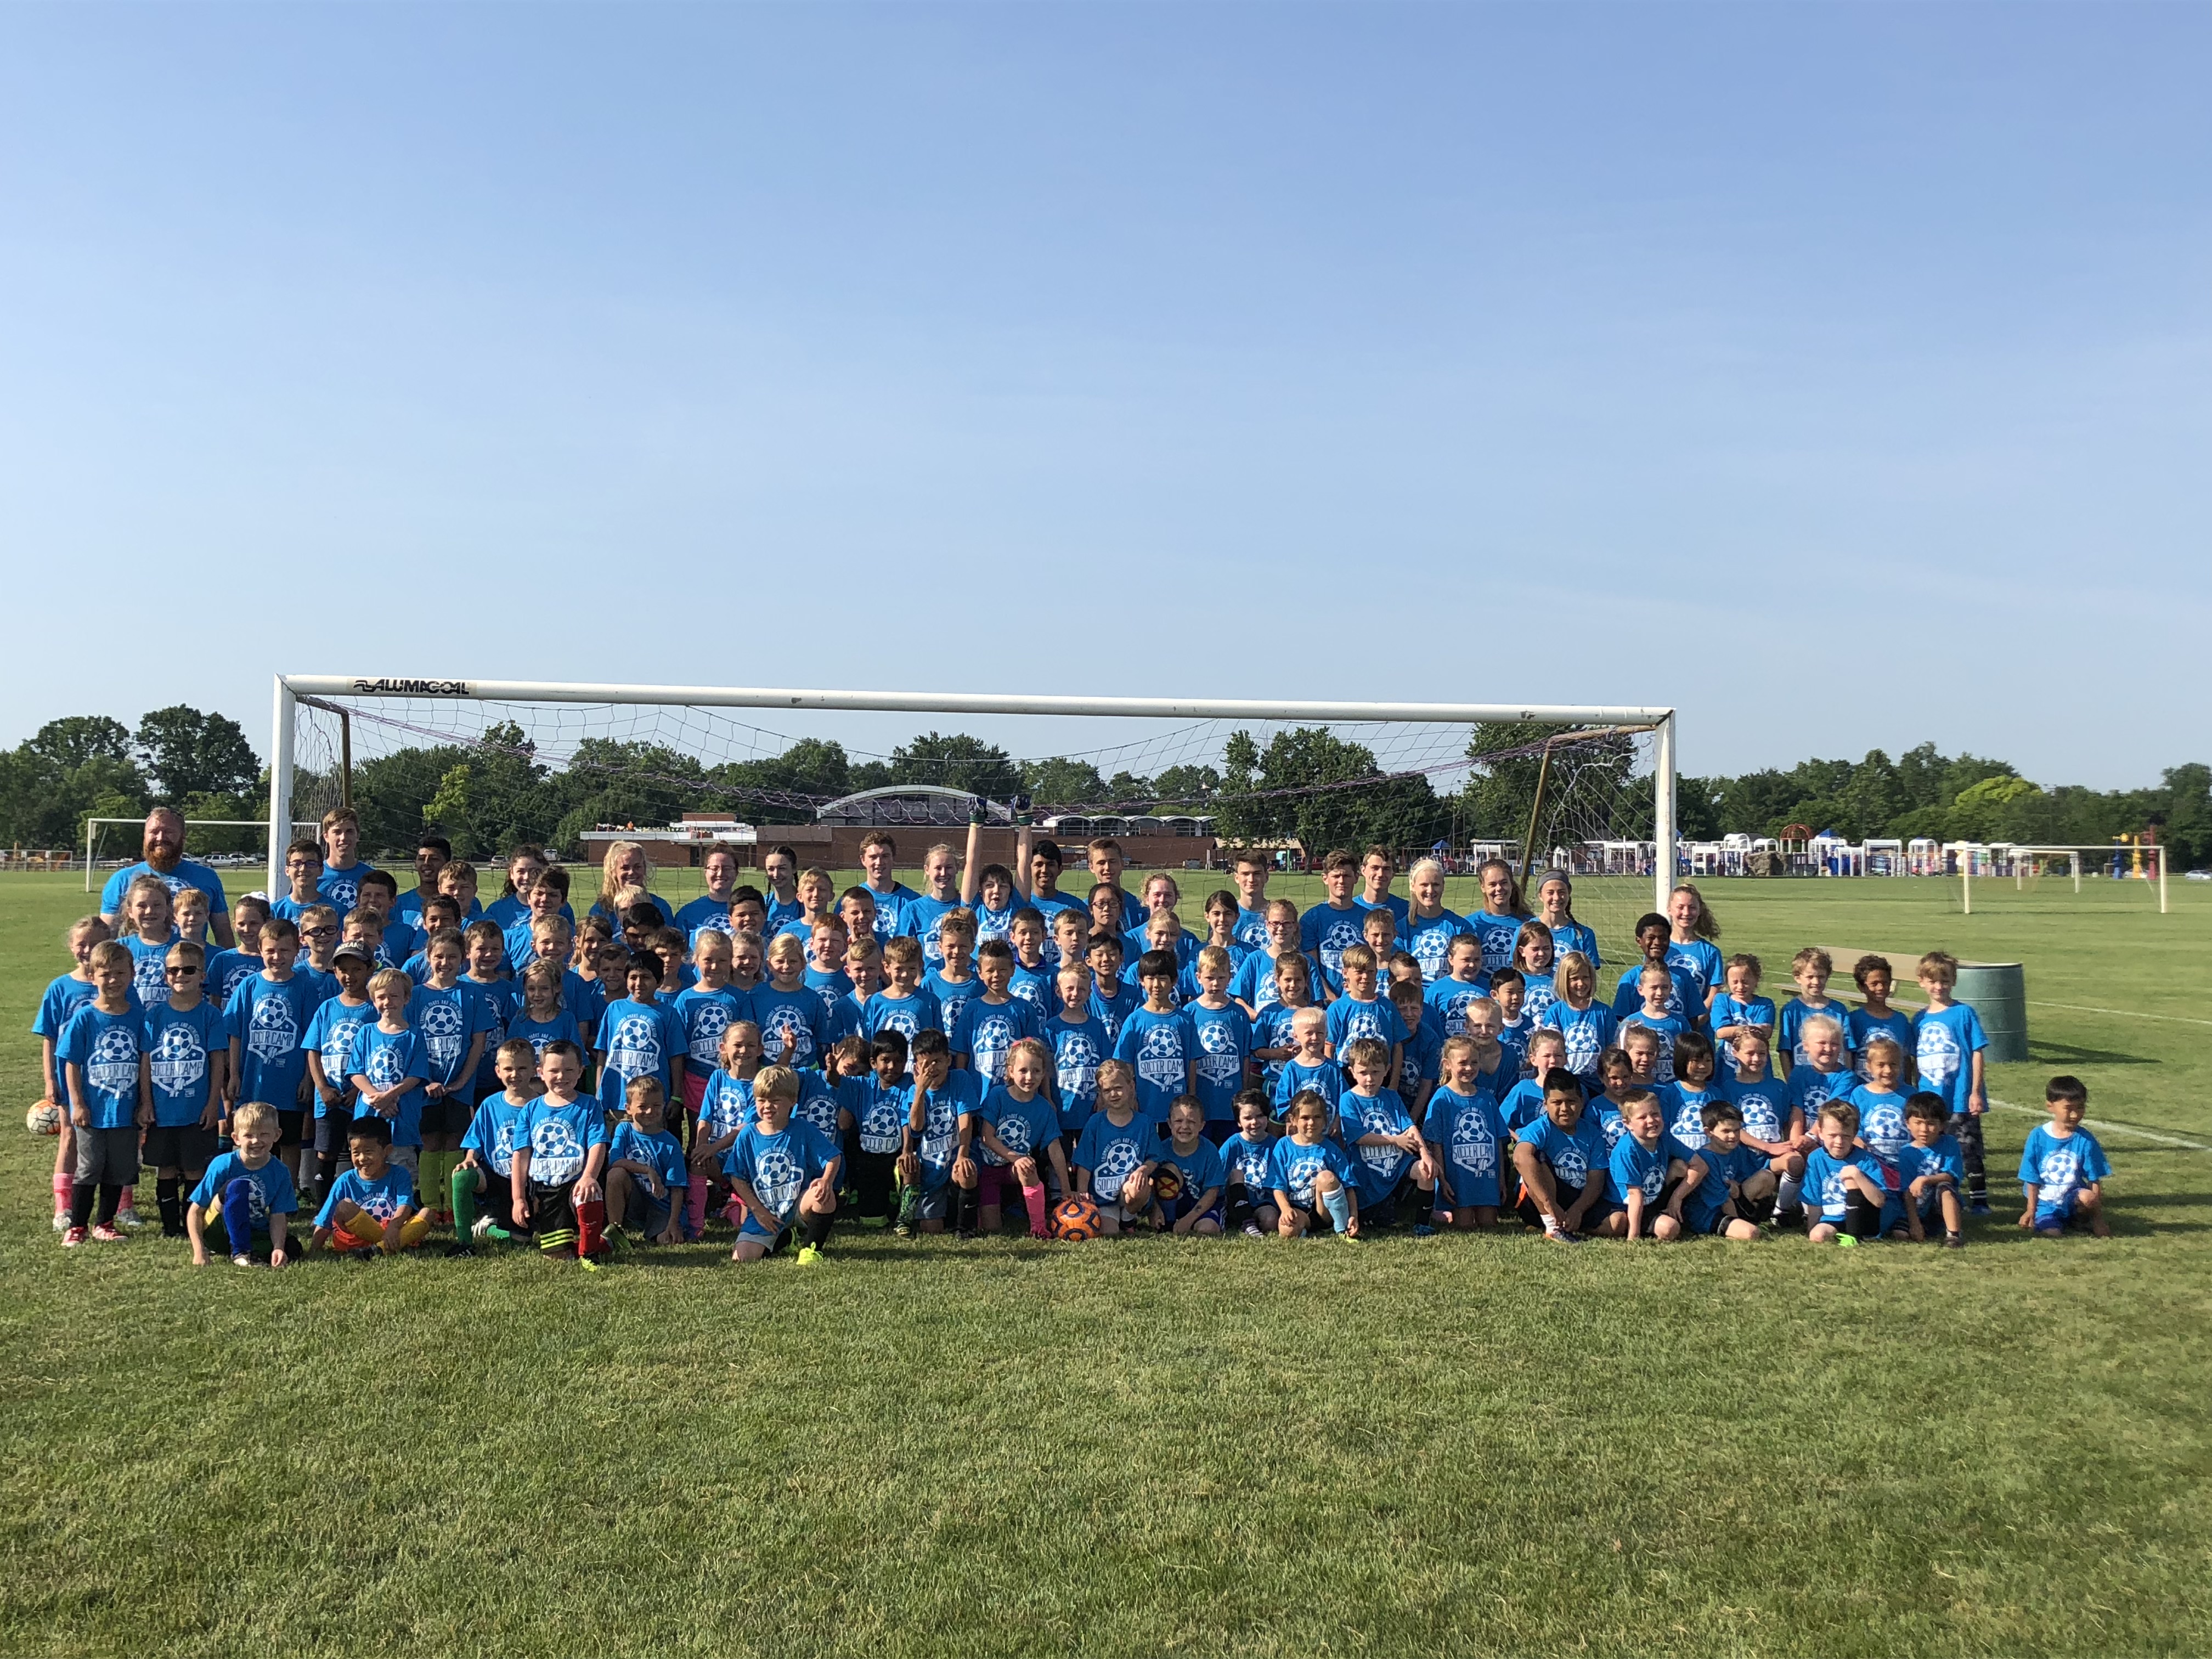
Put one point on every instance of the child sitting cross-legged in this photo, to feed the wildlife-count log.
(784, 1173)
(371, 1206)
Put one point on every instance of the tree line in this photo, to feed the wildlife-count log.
(1305, 784)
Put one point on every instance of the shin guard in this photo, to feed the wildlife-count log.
(169, 1199)
(591, 1227)
(238, 1215)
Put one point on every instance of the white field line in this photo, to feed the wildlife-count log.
(2105, 1128)
(2124, 1013)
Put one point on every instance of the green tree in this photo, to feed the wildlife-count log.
(1298, 786)
(1185, 788)
(185, 752)
(1978, 809)
(1061, 783)
(957, 761)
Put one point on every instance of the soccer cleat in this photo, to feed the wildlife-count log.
(809, 1256)
(61, 1221)
(1847, 1241)
(1252, 1230)
(487, 1228)
(587, 1264)
(1954, 1241)
(108, 1235)
(1423, 1229)
(130, 1220)
(1979, 1206)
(72, 1236)
(242, 1261)
(462, 1248)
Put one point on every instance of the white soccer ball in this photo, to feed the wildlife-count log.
(44, 1119)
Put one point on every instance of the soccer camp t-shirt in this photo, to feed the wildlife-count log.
(268, 1190)
(269, 1021)
(779, 1168)
(1160, 1048)
(1467, 1130)
(177, 1045)
(1944, 1043)
(107, 1046)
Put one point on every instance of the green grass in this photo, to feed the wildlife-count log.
(1441, 1447)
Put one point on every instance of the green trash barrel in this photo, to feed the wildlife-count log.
(1997, 991)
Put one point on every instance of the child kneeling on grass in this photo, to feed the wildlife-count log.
(245, 1191)
(2061, 1167)
(646, 1175)
(1188, 1180)
(785, 1174)
(1932, 1171)
(371, 1206)
(1843, 1195)
(1118, 1151)
(487, 1167)
(560, 1156)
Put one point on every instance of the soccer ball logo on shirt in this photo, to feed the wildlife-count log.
(1160, 1060)
(272, 1033)
(634, 1050)
(777, 1178)
(441, 1029)
(785, 1039)
(386, 1067)
(1938, 1055)
(1079, 1060)
(1581, 1045)
(1335, 939)
(709, 1019)
(1569, 1164)
(1473, 1147)
(555, 1151)
(1115, 1165)
(179, 1061)
(111, 1068)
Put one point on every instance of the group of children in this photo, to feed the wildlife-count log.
(784, 1056)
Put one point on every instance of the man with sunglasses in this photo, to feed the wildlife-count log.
(188, 1049)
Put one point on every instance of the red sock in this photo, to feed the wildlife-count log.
(591, 1227)
(1033, 1197)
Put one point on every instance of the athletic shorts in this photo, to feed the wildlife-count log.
(107, 1158)
(935, 1203)
(448, 1116)
(996, 1183)
(179, 1146)
(410, 1158)
(2050, 1214)
(292, 1128)
(644, 1212)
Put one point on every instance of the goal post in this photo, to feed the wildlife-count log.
(321, 690)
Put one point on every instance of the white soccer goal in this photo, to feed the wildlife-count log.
(1606, 776)
(95, 832)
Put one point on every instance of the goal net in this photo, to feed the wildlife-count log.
(1182, 786)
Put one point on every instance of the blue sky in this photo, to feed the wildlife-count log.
(1842, 375)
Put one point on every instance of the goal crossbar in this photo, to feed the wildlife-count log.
(290, 688)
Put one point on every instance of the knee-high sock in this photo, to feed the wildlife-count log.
(363, 1228)
(816, 1227)
(111, 1199)
(461, 1192)
(238, 1215)
(169, 1198)
(1338, 1203)
(591, 1227)
(412, 1232)
(1424, 1205)
(1034, 1198)
(967, 1202)
(81, 1202)
(695, 1204)
(64, 1192)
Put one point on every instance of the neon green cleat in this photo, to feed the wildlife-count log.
(809, 1255)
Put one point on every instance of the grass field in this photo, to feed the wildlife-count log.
(1442, 1446)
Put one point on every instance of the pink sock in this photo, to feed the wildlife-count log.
(695, 1205)
(64, 1189)
(1033, 1197)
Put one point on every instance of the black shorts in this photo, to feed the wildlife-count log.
(292, 1129)
(551, 1208)
(179, 1146)
(874, 1176)
(446, 1116)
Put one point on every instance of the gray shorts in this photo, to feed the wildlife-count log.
(108, 1157)
(410, 1158)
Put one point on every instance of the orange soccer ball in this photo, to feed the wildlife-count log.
(1075, 1220)
(44, 1119)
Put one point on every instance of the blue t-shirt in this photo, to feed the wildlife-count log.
(704, 914)
(1114, 1151)
(1379, 1168)
(1764, 1105)
(1575, 1157)
(833, 985)
(795, 1030)
(1160, 1048)
(988, 1031)
(383, 1198)
(108, 1046)
(177, 1045)
(1376, 1018)
(1428, 940)
(2059, 1169)
(817, 1104)
(879, 1114)
(1684, 1000)
(1201, 1167)
(938, 1144)
(659, 1151)
(62, 998)
(667, 913)
(449, 1022)
(1573, 936)
(1722, 1171)
(1078, 1049)
(1669, 1028)
(1881, 1123)
(341, 888)
(639, 1039)
(1253, 984)
(953, 997)
(1702, 961)
(493, 1131)
(1112, 1005)
(1468, 1132)
(1423, 1059)
(1538, 993)
(330, 1034)
(1513, 1036)
(1588, 1033)
(269, 1021)
(705, 1016)
(190, 873)
(1023, 1125)
(1449, 998)
(386, 1059)
(1225, 1056)
(909, 1016)
(1498, 934)
(1864, 1028)
(890, 909)
(226, 970)
(1633, 1165)
(919, 918)
(1824, 1188)
(268, 1190)
(1251, 928)
(1244, 1160)
(1035, 986)
(1292, 1168)
(1686, 1110)
(149, 965)
(1789, 1028)
(779, 1168)
(1808, 1090)
(560, 1139)
(538, 1033)
(727, 1106)
(1524, 1103)
(1326, 1079)
(1325, 933)
(1941, 1155)
(1944, 1043)
(1753, 1010)
(499, 998)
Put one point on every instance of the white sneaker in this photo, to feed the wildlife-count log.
(61, 1221)
(129, 1220)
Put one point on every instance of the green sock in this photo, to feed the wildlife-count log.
(462, 1185)
(438, 1173)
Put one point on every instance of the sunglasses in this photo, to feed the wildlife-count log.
(180, 972)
